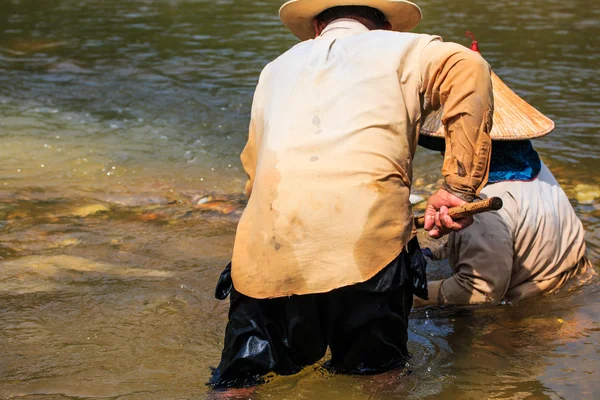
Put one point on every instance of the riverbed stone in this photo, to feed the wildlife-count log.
(586, 194)
(88, 210)
(416, 199)
(32, 274)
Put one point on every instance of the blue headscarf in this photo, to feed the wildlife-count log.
(514, 160)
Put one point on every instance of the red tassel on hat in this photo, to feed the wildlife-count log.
(474, 45)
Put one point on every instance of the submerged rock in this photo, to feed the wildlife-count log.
(222, 207)
(25, 46)
(32, 274)
(586, 194)
(149, 216)
(66, 243)
(416, 199)
(220, 204)
(135, 200)
(91, 209)
(6, 252)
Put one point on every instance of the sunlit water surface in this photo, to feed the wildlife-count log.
(121, 123)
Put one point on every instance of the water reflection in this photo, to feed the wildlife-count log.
(120, 129)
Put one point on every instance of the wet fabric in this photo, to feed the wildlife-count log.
(331, 140)
(364, 325)
(534, 244)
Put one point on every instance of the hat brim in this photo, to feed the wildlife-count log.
(514, 118)
(298, 15)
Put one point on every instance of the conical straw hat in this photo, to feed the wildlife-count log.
(514, 118)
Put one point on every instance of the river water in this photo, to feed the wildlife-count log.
(121, 124)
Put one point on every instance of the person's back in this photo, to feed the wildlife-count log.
(339, 115)
(533, 245)
(549, 239)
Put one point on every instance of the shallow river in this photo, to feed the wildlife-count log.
(121, 123)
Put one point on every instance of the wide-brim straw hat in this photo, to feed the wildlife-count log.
(514, 118)
(298, 15)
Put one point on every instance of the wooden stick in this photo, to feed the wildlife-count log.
(491, 204)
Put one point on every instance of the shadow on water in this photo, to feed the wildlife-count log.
(121, 125)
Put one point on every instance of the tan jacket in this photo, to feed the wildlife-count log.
(534, 244)
(329, 154)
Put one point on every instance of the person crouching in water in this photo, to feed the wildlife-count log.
(534, 245)
(325, 253)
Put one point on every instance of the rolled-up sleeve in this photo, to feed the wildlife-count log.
(459, 79)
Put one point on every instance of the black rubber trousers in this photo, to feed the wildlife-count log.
(365, 326)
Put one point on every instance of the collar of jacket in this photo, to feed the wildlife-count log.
(344, 27)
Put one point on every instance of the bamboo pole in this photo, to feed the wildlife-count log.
(491, 204)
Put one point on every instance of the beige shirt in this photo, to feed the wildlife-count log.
(329, 154)
(534, 244)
